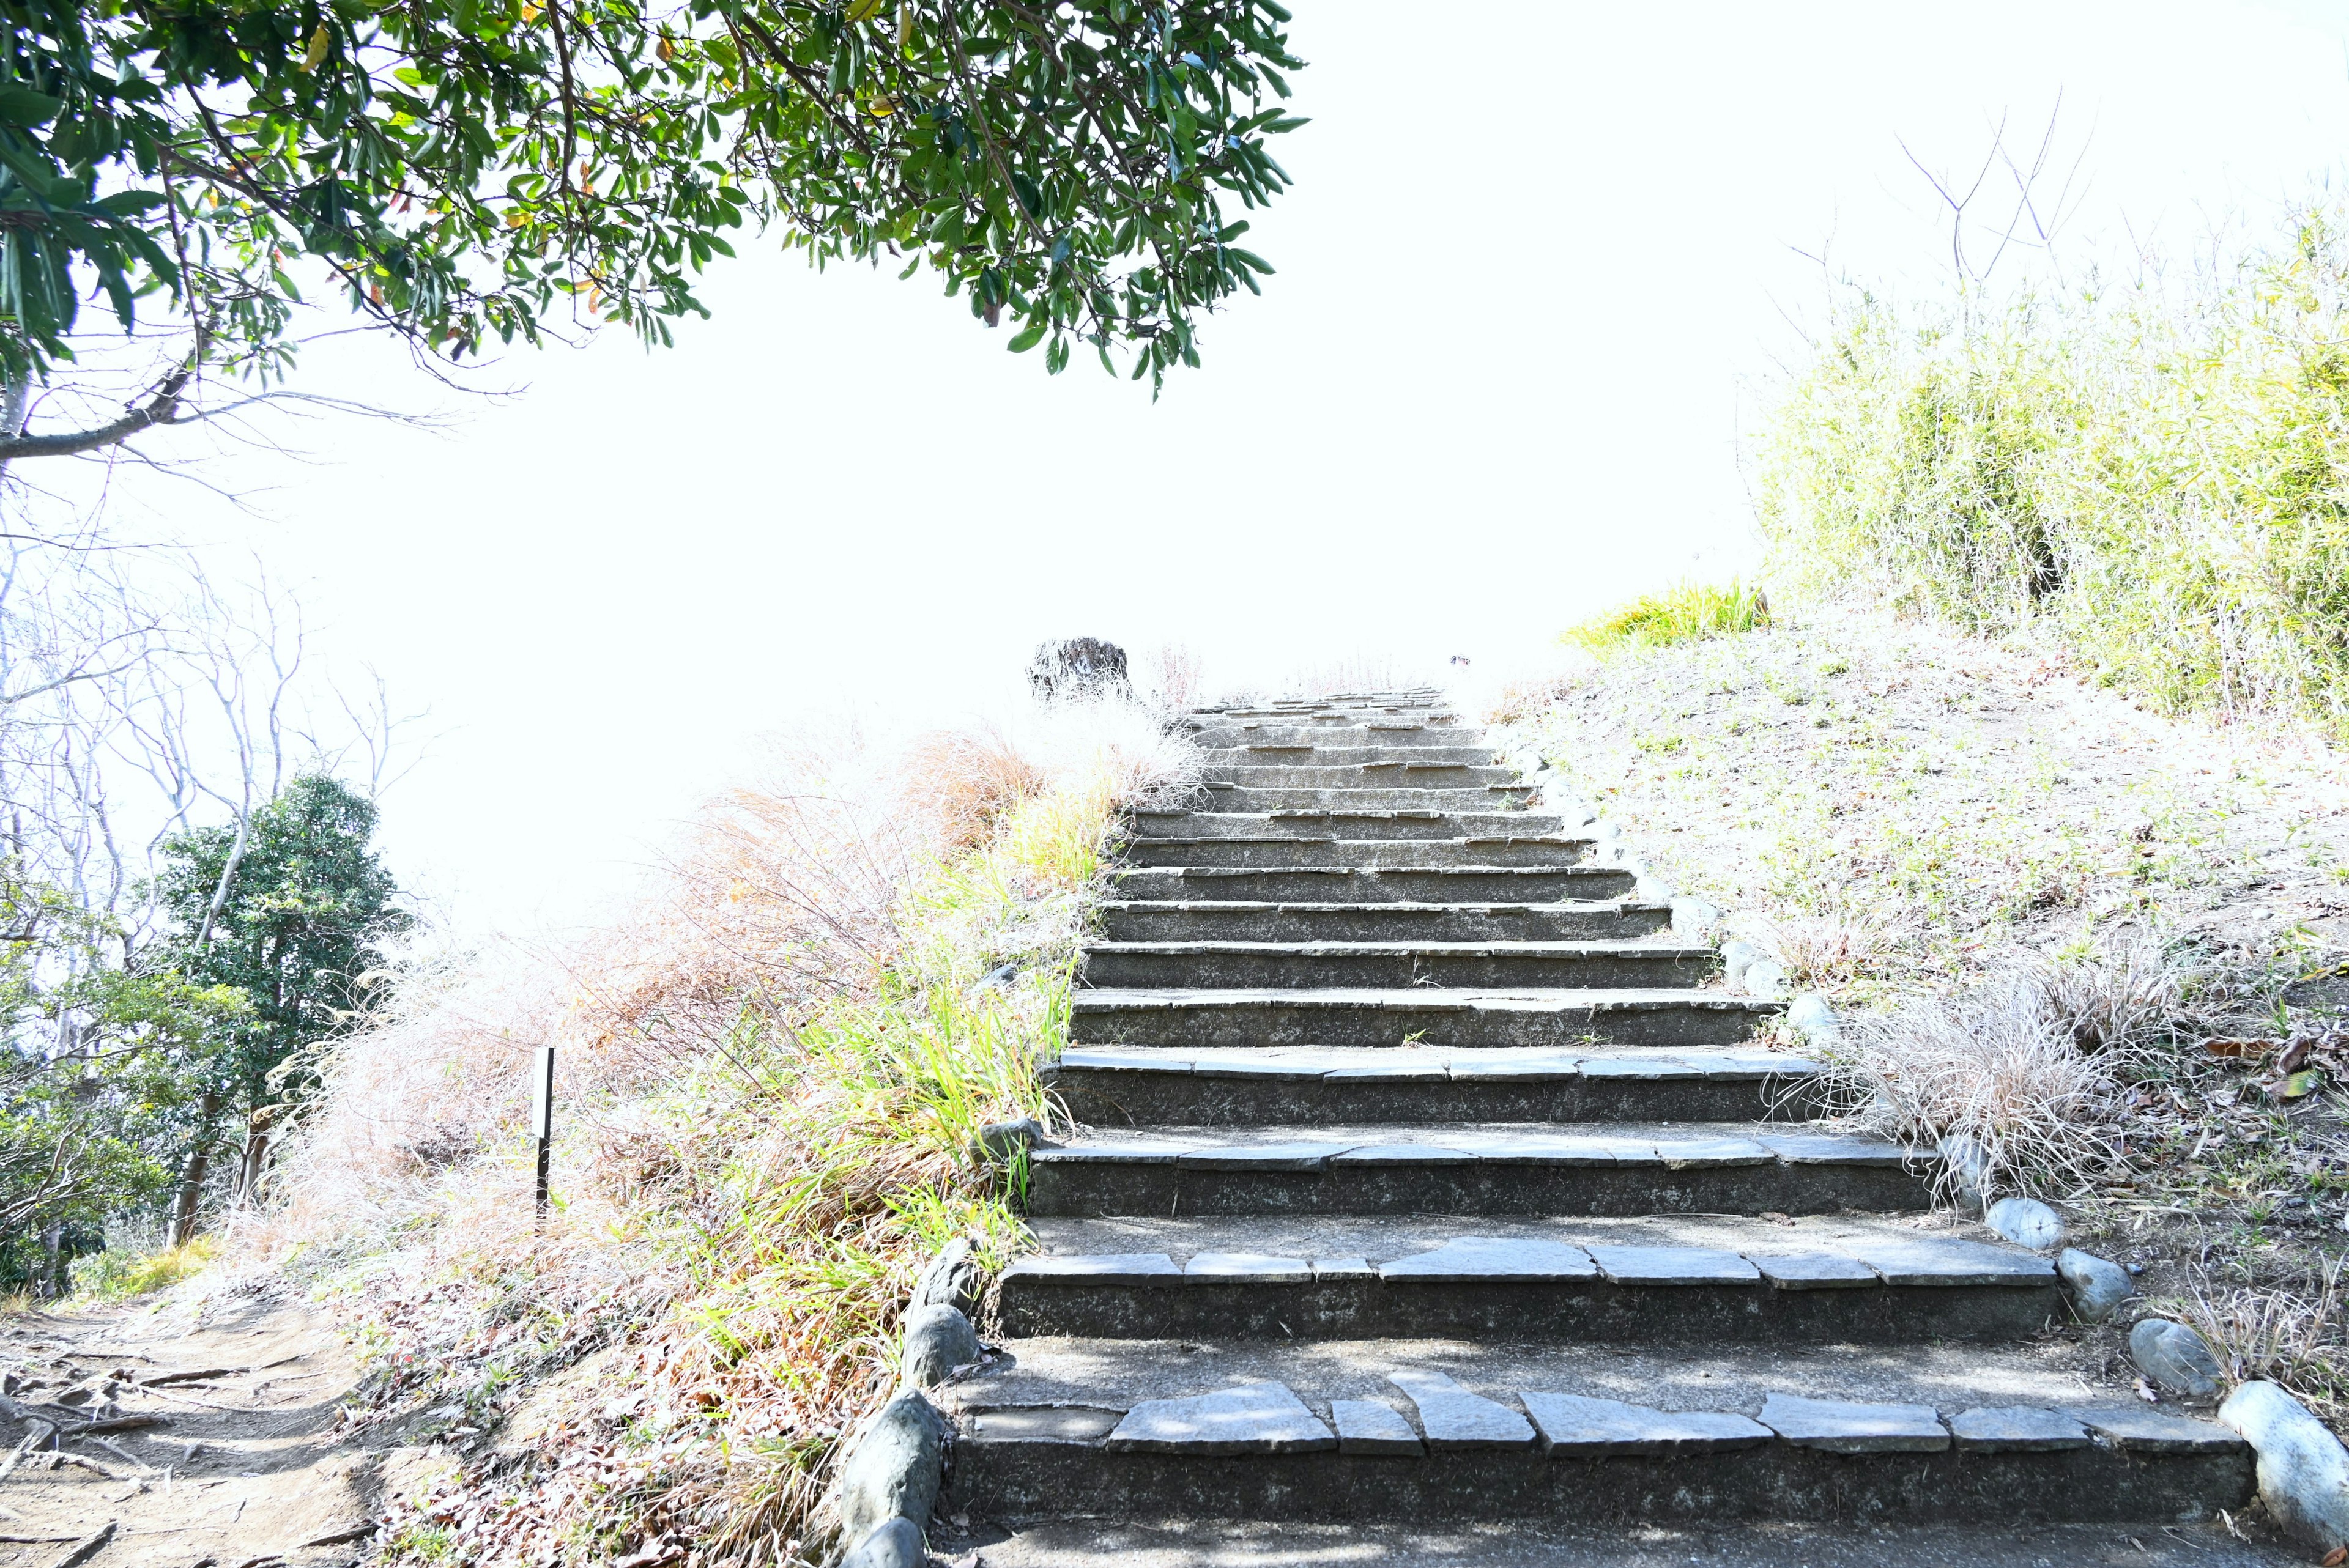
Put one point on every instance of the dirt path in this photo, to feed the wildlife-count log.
(246, 1466)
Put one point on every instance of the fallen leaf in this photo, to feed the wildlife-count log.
(2238, 1048)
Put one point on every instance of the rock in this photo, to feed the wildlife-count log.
(1452, 1418)
(2096, 1287)
(2174, 1357)
(1814, 1019)
(2017, 1428)
(998, 1140)
(1078, 669)
(2304, 1469)
(894, 1543)
(1967, 1169)
(1768, 979)
(1736, 958)
(1839, 1427)
(951, 1279)
(1368, 1427)
(1572, 1424)
(1254, 1418)
(1653, 889)
(938, 1339)
(1695, 918)
(2027, 1223)
(893, 1472)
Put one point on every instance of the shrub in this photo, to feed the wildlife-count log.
(1681, 615)
(116, 1275)
(2156, 473)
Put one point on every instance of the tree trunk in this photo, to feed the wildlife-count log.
(256, 1153)
(192, 1174)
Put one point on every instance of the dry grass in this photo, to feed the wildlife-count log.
(2279, 1335)
(771, 1073)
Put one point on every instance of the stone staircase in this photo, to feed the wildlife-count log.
(1423, 1175)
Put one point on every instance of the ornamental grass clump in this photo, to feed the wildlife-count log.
(1682, 615)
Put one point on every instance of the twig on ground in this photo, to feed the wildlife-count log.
(88, 1548)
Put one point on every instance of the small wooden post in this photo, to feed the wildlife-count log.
(541, 1119)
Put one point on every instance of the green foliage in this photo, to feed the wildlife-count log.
(115, 1275)
(463, 169)
(1681, 615)
(2157, 474)
(307, 901)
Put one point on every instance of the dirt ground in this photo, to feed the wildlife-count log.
(207, 1432)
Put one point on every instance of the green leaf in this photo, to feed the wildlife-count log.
(21, 106)
(1028, 338)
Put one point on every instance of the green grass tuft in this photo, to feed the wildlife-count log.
(113, 1275)
(1682, 615)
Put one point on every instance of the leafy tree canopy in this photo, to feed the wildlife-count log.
(465, 170)
(306, 902)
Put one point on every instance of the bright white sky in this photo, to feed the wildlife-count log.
(1538, 259)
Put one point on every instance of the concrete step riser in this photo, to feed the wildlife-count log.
(1094, 1190)
(1365, 798)
(1363, 738)
(1386, 776)
(1282, 1022)
(1423, 854)
(1596, 1311)
(1305, 922)
(1663, 968)
(1019, 1480)
(1115, 1100)
(1318, 757)
(1565, 884)
(1369, 825)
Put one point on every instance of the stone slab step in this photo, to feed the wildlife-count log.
(1370, 798)
(1548, 1020)
(1369, 822)
(1385, 775)
(1121, 1086)
(1426, 1431)
(1551, 885)
(1650, 1281)
(1398, 734)
(1522, 1167)
(1299, 964)
(1273, 849)
(1137, 920)
(1321, 757)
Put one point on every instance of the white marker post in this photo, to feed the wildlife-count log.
(542, 1119)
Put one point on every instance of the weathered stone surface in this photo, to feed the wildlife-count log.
(894, 1544)
(1000, 1141)
(2174, 1357)
(1832, 1148)
(2302, 1468)
(2015, 1429)
(1130, 1268)
(1343, 1268)
(1642, 1066)
(1503, 1148)
(1814, 1270)
(1078, 669)
(1839, 1427)
(1260, 1156)
(1372, 1426)
(2095, 1287)
(1080, 1425)
(1478, 1258)
(938, 1339)
(1110, 1061)
(1112, 1153)
(1673, 1265)
(950, 1279)
(2153, 1433)
(1389, 1154)
(1813, 1018)
(1528, 1069)
(1710, 1153)
(1452, 1418)
(1946, 1261)
(1572, 1424)
(1401, 1073)
(2027, 1223)
(893, 1471)
(1253, 1268)
(1253, 1418)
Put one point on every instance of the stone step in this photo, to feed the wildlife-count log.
(1370, 824)
(1370, 798)
(1297, 966)
(1128, 1086)
(1431, 885)
(1427, 1016)
(1429, 1430)
(1316, 759)
(1523, 1168)
(1388, 735)
(1141, 920)
(1280, 851)
(1709, 1279)
(1395, 773)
